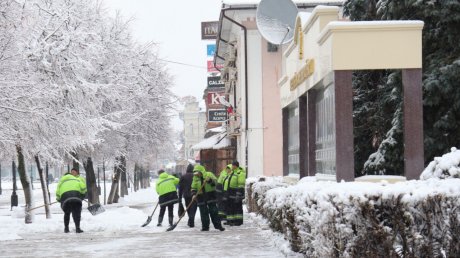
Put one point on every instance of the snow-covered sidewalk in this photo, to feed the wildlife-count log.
(118, 232)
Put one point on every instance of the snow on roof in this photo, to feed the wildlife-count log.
(255, 2)
(219, 129)
(216, 142)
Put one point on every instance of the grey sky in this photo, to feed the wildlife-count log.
(176, 26)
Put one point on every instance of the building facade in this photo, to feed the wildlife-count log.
(316, 90)
(194, 119)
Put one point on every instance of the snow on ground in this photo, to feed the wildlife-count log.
(118, 232)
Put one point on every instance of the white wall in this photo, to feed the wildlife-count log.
(256, 126)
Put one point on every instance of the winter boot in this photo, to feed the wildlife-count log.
(160, 219)
(77, 227)
(171, 221)
(66, 229)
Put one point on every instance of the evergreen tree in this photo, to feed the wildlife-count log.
(441, 77)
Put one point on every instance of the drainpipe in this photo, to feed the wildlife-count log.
(223, 15)
(245, 81)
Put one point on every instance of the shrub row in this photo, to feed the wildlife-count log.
(358, 219)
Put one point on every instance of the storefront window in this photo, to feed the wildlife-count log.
(325, 131)
(293, 138)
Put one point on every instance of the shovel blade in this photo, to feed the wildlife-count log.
(171, 227)
(96, 209)
(147, 222)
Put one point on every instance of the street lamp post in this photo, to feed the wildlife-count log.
(14, 196)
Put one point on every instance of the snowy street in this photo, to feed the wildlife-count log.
(118, 232)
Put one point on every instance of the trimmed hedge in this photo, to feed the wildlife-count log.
(328, 219)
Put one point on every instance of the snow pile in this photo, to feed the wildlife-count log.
(356, 219)
(260, 185)
(447, 166)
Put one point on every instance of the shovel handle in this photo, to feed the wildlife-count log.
(191, 202)
(40, 206)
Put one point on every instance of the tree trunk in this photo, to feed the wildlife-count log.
(25, 181)
(44, 188)
(75, 163)
(124, 183)
(113, 195)
(93, 193)
(135, 186)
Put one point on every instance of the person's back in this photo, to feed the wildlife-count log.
(166, 189)
(70, 192)
(185, 183)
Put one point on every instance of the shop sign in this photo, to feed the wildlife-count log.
(306, 71)
(298, 37)
(217, 98)
(215, 82)
(211, 67)
(211, 49)
(217, 115)
(209, 30)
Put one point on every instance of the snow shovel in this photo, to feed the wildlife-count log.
(189, 205)
(150, 217)
(95, 208)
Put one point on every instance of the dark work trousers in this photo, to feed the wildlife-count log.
(73, 207)
(209, 210)
(235, 212)
(222, 206)
(191, 211)
(170, 213)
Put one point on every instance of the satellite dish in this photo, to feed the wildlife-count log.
(276, 20)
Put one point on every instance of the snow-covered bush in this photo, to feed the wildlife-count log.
(361, 219)
(447, 166)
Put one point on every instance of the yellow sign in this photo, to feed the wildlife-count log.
(306, 71)
(298, 37)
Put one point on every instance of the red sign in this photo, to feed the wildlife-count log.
(211, 67)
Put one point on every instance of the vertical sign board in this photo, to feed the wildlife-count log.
(215, 82)
(217, 115)
(211, 67)
(209, 30)
(211, 49)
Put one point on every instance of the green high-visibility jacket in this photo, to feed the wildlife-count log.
(68, 183)
(222, 179)
(166, 183)
(197, 180)
(235, 179)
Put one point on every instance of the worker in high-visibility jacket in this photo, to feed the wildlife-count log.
(70, 192)
(206, 197)
(221, 198)
(166, 189)
(234, 190)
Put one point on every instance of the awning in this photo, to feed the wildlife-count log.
(216, 142)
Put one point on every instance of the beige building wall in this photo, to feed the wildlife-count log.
(271, 108)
